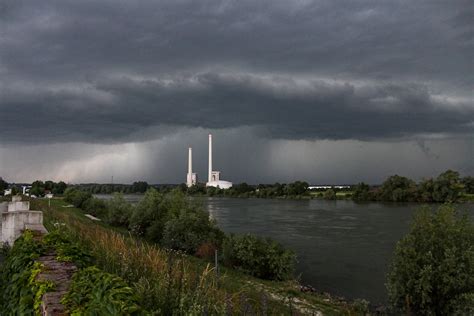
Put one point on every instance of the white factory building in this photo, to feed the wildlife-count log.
(213, 179)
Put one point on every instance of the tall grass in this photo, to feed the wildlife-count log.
(166, 282)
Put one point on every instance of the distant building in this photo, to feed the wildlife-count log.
(7, 192)
(214, 176)
(321, 187)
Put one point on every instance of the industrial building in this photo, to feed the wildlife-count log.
(213, 179)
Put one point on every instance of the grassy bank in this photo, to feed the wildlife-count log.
(172, 282)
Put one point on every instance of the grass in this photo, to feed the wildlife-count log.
(170, 282)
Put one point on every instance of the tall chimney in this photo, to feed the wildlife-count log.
(190, 161)
(189, 178)
(210, 158)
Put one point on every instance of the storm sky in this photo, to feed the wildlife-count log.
(323, 91)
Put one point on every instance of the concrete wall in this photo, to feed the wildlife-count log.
(13, 224)
(18, 206)
(3, 207)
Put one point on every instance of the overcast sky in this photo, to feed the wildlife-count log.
(323, 91)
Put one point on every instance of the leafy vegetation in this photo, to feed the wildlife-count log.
(94, 292)
(40, 188)
(432, 272)
(175, 222)
(447, 187)
(173, 283)
(18, 288)
(263, 258)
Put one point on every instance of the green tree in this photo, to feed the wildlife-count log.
(447, 187)
(37, 188)
(361, 192)
(468, 183)
(432, 272)
(3, 185)
(118, 210)
(425, 190)
(398, 189)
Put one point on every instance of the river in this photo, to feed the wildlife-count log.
(343, 247)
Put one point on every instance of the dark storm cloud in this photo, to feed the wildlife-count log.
(113, 71)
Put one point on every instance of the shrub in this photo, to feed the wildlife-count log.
(76, 197)
(95, 207)
(432, 272)
(18, 288)
(263, 258)
(330, 194)
(190, 229)
(118, 211)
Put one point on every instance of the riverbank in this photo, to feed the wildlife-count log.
(239, 289)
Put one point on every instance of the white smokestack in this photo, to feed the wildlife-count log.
(189, 178)
(190, 161)
(210, 158)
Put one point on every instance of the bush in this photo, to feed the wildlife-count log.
(189, 230)
(76, 197)
(95, 207)
(16, 293)
(330, 194)
(263, 258)
(432, 272)
(118, 211)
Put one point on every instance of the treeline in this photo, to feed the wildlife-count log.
(175, 222)
(297, 189)
(109, 188)
(447, 187)
(38, 188)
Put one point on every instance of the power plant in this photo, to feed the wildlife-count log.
(213, 179)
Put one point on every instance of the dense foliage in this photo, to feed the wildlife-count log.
(94, 292)
(447, 187)
(173, 221)
(176, 222)
(17, 292)
(263, 258)
(3, 185)
(432, 272)
(40, 188)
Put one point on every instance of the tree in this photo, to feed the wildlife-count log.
(118, 210)
(139, 187)
(3, 185)
(361, 192)
(425, 191)
(37, 188)
(432, 272)
(447, 187)
(398, 189)
(296, 188)
(468, 183)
